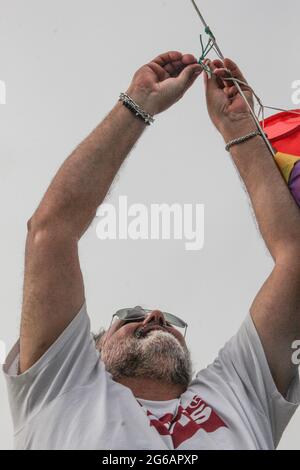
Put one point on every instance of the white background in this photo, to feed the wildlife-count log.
(64, 63)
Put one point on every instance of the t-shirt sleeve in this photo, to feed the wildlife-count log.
(68, 363)
(242, 363)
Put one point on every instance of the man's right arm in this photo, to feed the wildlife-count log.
(53, 284)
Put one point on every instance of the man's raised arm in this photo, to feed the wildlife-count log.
(276, 309)
(53, 285)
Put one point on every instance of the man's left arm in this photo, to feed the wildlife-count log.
(276, 308)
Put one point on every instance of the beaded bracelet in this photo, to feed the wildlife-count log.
(136, 109)
(241, 140)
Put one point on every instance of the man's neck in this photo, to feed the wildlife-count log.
(149, 389)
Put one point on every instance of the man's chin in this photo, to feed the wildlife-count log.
(159, 355)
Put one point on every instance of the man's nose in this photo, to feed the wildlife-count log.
(155, 316)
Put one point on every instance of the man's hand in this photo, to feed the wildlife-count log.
(227, 108)
(276, 308)
(162, 82)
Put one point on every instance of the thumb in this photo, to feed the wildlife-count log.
(188, 75)
(211, 82)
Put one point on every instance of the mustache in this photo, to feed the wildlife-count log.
(142, 331)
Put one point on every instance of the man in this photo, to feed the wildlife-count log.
(132, 389)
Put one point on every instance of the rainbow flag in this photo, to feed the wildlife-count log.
(283, 131)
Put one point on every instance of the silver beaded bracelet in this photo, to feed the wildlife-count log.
(136, 109)
(241, 140)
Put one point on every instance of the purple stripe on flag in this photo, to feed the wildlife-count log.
(294, 182)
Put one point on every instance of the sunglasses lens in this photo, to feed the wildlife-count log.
(174, 320)
(128, 314)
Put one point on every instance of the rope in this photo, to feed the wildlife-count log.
(262, 106)
(212, 44)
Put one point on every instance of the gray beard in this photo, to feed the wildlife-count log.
(158, 355)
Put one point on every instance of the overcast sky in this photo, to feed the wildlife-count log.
(64, 64)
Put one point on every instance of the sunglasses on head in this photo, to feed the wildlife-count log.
(138, 314)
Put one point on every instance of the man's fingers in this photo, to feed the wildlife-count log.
(167, 57)
(225, 70)
(223, 75)
(215, 80)
(161, 73)
(174, 67)
(211, 85)
(217, 63)
(231, 92)
(189, 75)
(174, 62)
(234, 69)
(188, 59)
(227, 78)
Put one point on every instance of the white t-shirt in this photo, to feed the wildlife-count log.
(67, 400)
